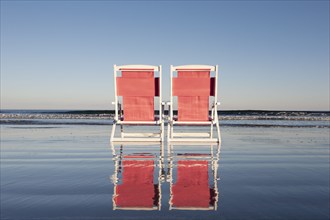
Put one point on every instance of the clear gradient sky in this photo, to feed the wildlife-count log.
(272, 55)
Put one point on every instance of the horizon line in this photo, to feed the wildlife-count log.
(261, 110)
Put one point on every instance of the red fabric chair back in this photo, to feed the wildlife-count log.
(138, 89)
(193, 89)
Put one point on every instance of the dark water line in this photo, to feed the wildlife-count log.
(220, 112)
(45, 122)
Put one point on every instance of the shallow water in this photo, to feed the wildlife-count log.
(71, 172)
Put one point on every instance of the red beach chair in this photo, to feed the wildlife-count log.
(136, 88)
(137, 190)
(193, 86)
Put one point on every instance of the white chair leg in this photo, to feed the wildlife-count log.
(162, 132)
(168, 131)
(168, 137)
(211, 132)
(113, 131)
(172, 125)
(162, 150)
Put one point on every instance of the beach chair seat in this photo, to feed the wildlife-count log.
(123, 121)
(175, 118)
(194, 86)
(136, 87)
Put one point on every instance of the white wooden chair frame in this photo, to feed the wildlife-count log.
(194, 137)
(135, 137)
(214, 159)
(115, 179)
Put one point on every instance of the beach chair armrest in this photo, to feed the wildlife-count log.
(214, 110)
(163, 110)
(168, 109)
(215, 104)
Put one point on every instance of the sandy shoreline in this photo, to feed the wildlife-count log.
(64, 171)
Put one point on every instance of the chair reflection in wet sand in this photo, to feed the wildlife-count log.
(193, 189)
(134, 185)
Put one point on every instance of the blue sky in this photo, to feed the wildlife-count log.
(272, 55)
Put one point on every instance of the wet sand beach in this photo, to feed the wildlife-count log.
(67, 172)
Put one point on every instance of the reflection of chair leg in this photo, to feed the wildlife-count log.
(218, 130)
(162, 150)
(121, 130)
(114, 179)
(113, 149)
(162, 131)
(215, 176)
(169, 163)
(170, 179)
(161, 176)
(168, 134)
(161, 163)
(211, 132)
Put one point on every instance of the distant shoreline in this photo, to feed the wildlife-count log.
(222, 112)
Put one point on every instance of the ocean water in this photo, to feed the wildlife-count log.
(53, 167)
(227, 118)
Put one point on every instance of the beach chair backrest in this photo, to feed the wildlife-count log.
(138, 87)
(193, 86)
